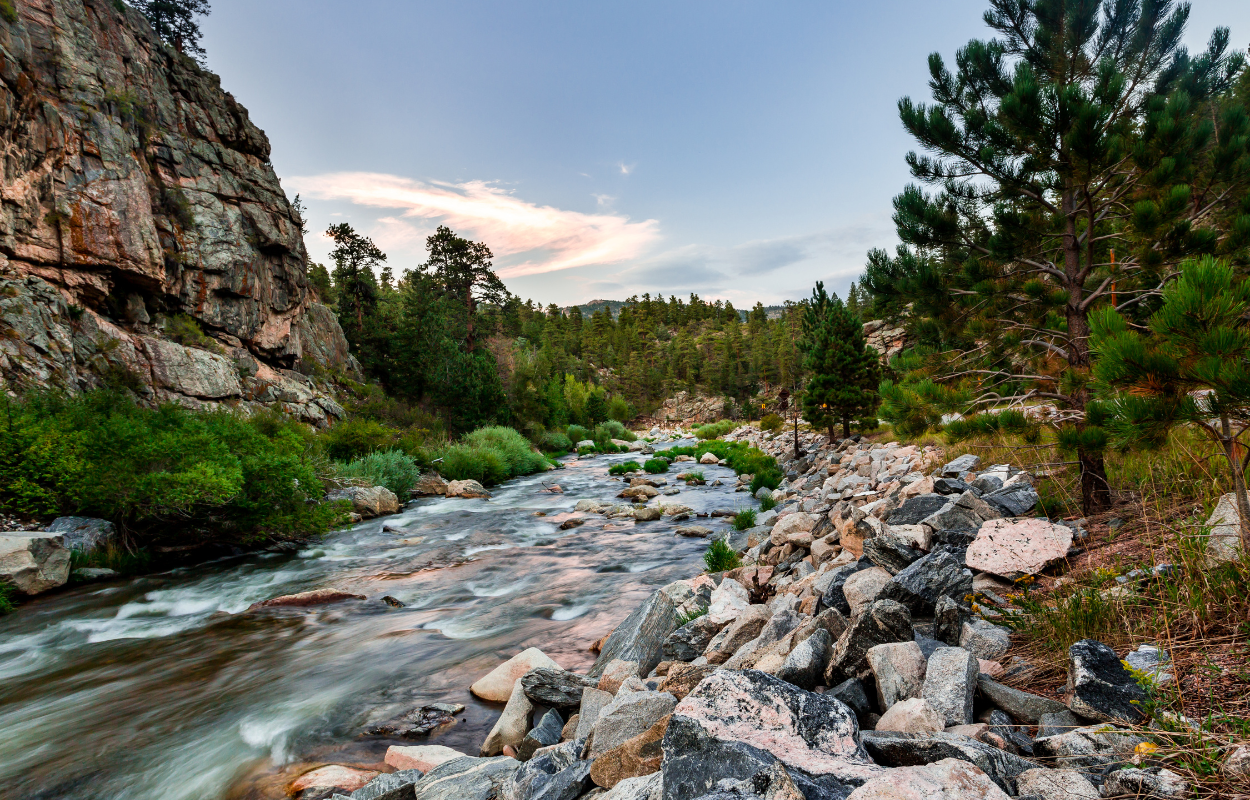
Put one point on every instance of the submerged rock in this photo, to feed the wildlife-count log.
(315, 597)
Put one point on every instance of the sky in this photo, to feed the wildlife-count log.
(736, 150)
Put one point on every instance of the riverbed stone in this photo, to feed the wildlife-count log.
(431, 484)
(368, 501)
(555, 688)
(616, 674)
(950, 684)
(512, 725)
(389, 786)
(468, 490)
(728, 601)
(682, 678)
(332, 776)
(1013, 549)
(1101, 687)
(33, 561)
(640, 637)
(316, 597)
(737, 724)
(496, 686)
(948, 779)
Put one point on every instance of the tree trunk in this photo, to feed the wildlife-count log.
(846, 427)
(468, 302)
(1239, 481)
(1095, 490)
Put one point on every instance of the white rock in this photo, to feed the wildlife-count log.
(496, 686)
(1224, 543)
(1013, 549)
(512, 724)
(912, 716)
(33, 561)
(1056, 784)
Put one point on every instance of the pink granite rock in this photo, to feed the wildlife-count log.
(948, 779)
(333, 776)
(1014, 549)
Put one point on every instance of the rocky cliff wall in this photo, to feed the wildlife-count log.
(136, 194)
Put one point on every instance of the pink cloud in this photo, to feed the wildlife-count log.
(540, 238)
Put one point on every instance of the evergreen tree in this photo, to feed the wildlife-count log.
(355, 284)
(1191, 368)
(174, 21)
(1078, 157)
(844, 370)
(463, 269)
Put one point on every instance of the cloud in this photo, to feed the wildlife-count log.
(530, 239)
(625, 168)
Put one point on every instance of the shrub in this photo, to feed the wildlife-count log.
(6, 599)
(394, 469)
(514, 448)
(744, 519)
(353, 438)
(615, 430)
(586, 450)
(767, 503)
(555, 442)
(623, 467)
(772, 423)
(720, 557)
(692, 477)
(619, 409)
(655, 465)
(184, 330)
(577, 433)
(463, 462)
(715, 430)
(118, 559)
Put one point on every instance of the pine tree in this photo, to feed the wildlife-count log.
(463, 269)
(174, 21)
(1192, 368)
(355, 285)
(1078, 157)
(844, 370)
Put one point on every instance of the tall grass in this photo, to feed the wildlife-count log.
(744, 519)
(623, 467)
(489, 456)
(720, 557)
(715, 430)
(6, 599)
(394, 469)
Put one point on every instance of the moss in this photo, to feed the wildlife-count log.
(8, 12)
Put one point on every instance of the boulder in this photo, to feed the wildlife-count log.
(556, 773)
(916, 509)
(728, 602)
(1056, 784)
(953, 517)
(913, 715)
(368, 501)
(1156, 783)
(709, 458)
(1056, 723)
(913, 749)
(389, 786)
(834, 594)
(864, 587)
(469, 490)
(512, 725)
(431, 484)
(593, 702)
(1022, 706)
(315, 597)
(641, 636)
(690, 640)
(1015, 549)
(650, 787)
(950, 684)
(647, 514)
(742, 630)
(33, 561)
(616, 674)
(948, 779)
(921, 584)
(899, 672)
(805, 665)
(1151, 661)
(1224, 541)
(332, 776)
(693, 532)
(628, 715)
(1238, 762)
(633, 758)
(984, 639)
(1014, 501)
(949, 617)
(1101, 687)
(1094, 747)
(883, 622)
(548, 731)
(960, 466)
(496, 686)
(793, 526)
(466, 779)
(890, 552)
(555, 688)
(83, 533)
(424, 757)
(738, 724)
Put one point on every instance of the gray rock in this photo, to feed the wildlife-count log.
(883, 622)
(641, 636)
(918, 508)
(556, 688)
(593, 702)
(466, 779)
(805, 666)
(960, 466)
(851, 693)
(83, 533)
(1156, 783)
(544, 734)
(647, 787)
(554, 774)
(1022, 706)
(985, 640)
(1056, 784)
(898, 670)
(950, 486)
(735, 725)
(690, 640)
(392, 786)
(949, 617)
(33, 561)
(1094, 747)
(1014, 501)
(1152, 661)
(763, 492)
(893, 749)
(953, 517)
(921, 584)
(1102, 689)
(773, 783)
(95, 574)
(890, 553)
(1056, 723)
(950, 683)
(834, 595)
(778, 626)
(628, 715)
(987, 483)
(1005, 727)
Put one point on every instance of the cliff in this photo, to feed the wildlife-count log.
(144, 237)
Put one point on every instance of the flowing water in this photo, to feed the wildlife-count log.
(164, 687)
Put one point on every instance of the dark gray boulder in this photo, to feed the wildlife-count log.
(852, 693)
(773, 783)
(834, 596)
(883, 622)
(1002, 725)
(1014, 501)
(83, 533)
(735, 725)
(554, 774)
(466, 779)
(987, 483)
(641, 636)
(544, 734)
(1102, 689)
(890, 553)
(893, 749)
(920, 585)
(949, 617)
(690, 640)
(1057, 723)
(805, 666)
(960, 466)
(555, 688)
(951, 486)
(915, 509)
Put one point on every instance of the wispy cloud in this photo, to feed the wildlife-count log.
(534, 238)
(625, 168)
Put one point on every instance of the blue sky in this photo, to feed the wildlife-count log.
(739, 150)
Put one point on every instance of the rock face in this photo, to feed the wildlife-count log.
(33, 561)
(139, 198)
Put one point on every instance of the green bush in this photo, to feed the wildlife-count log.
(587, 450)
(514, 448)
(118, 559)
(463, 462)
(614, 430)
(489, 456)
(720, 557)
(6, 599)
(715, 430)
(623, 467)
(577, 433)
(692, 477)
(356, 437)
(184, 330)
(555, 442)
(742, 457)
(772, 423)
(744, 519)
(218, 472)
(619, 409)
(655, 465)
(394, 469)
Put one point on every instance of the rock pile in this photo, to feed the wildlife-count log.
(843, 660)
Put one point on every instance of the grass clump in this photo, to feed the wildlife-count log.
(691, 616)
(767, 503)
(394, 469)
(715, 430)
(720, 557)
(612, 429)
(357, 437)
(184, 330)
(744, 519)
(693, 478)
(743, 459)
(623, 467)
(6, 599)
(655, 466)
(114, 557)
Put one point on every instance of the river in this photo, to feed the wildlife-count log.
(164, 688)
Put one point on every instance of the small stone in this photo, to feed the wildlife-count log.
(1056, 784)
(1238, 762)
(1156, 783)
(683, 678)
(1093, 747)
(915, 715)
(1021, 705)
(960, 466)
(333, 776)
(693, 532)
(949, 617)
(424, 758)
(1056, 723)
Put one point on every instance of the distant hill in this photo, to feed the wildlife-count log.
(615, 306)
